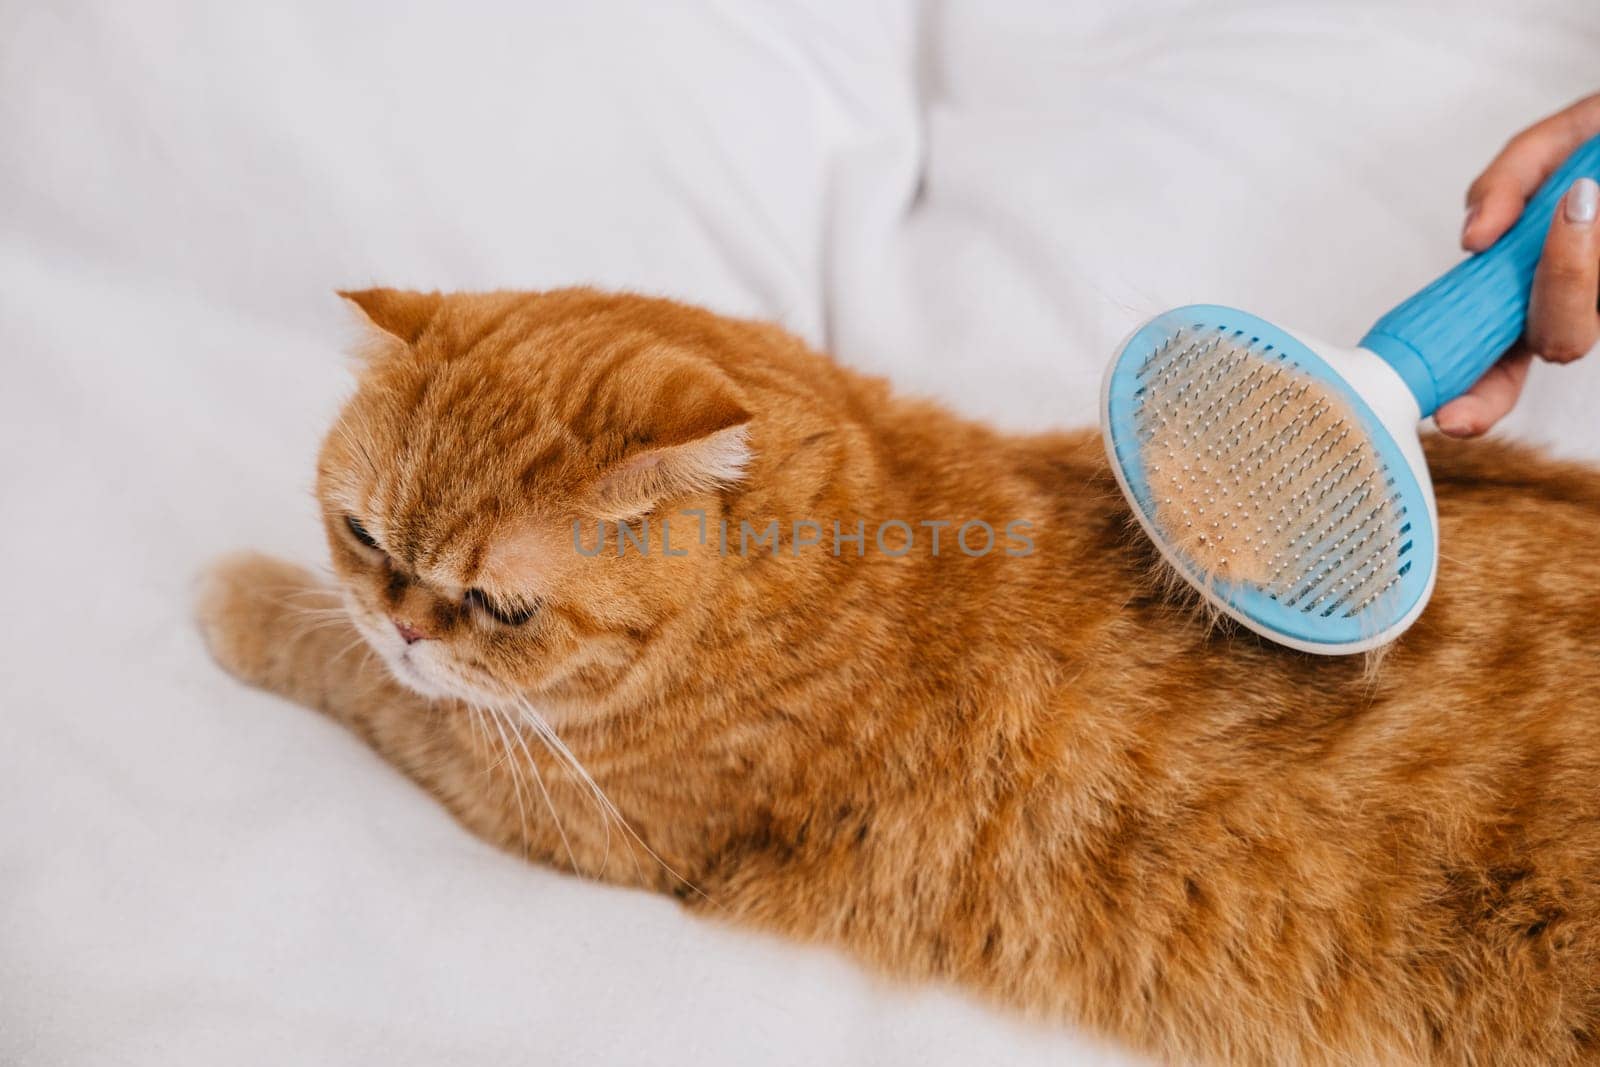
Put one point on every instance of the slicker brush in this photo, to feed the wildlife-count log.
(1283, 477)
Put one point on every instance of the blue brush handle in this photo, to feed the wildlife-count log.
(1445, 337)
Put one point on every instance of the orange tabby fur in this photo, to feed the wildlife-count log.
(1037, 776)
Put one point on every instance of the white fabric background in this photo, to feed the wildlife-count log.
(977, 198)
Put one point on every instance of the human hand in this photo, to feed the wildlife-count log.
(1564, 314)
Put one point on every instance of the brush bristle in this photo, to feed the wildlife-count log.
(1261, 474)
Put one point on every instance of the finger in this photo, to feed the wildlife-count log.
(1563, 321)
(1496, 198)
(1489, 400)
(1498, 204)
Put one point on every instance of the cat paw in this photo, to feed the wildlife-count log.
(249, 607)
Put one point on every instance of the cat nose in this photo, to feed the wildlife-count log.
(409, 632)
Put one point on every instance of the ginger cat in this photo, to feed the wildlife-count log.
(1026, 770)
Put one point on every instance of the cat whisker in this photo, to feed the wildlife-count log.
(559, 748)
(549, 803)
(320, 613)
(510, 732)
(538, 779)
(516, 784)
(300, 633)
(312, 599)
(345, 651)
(320, 620)
(329, 596)
(474, 725)
(607, 811)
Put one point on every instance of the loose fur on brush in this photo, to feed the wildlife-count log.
(1032, 773)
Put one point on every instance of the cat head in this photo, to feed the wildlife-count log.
(473, 487)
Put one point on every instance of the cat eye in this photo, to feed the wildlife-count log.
(477, 598)
(359, 532)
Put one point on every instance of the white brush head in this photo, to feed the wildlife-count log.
(1283, 479)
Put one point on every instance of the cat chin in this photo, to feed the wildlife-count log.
(410, 675)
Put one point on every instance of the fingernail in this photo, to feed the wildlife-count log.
(1466, 223)
(1583, 201)
(1453, 423)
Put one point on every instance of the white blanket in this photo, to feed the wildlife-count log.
(977, 199)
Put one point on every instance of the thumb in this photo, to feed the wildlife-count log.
(1489, 400)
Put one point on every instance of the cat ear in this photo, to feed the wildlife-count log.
(399, 313)
(697, 443)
